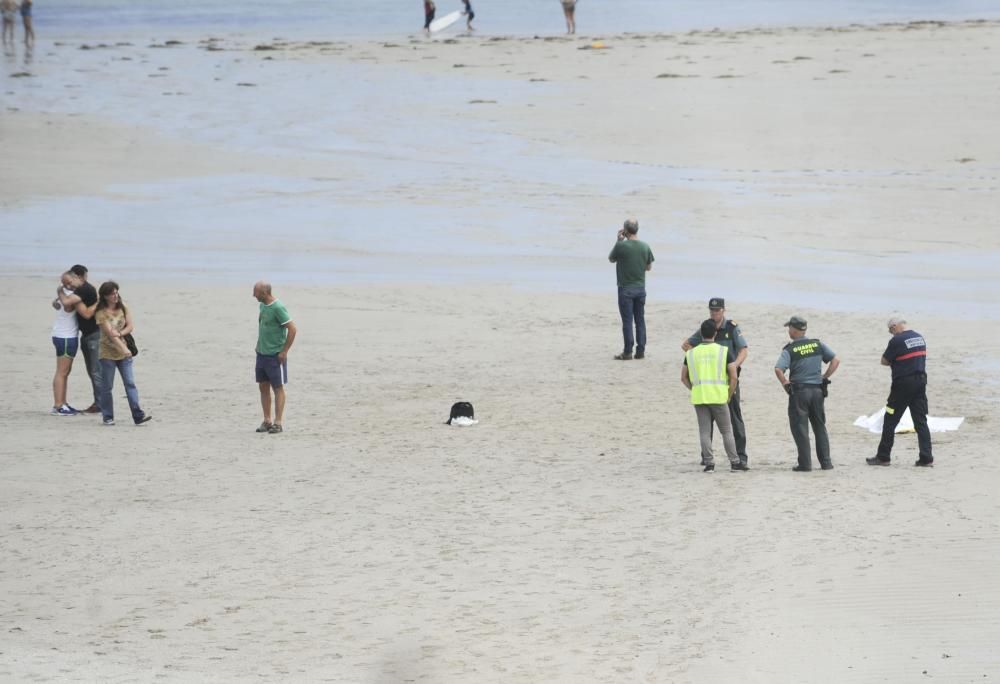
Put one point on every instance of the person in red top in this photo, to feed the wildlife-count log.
(906, 354)
(429, 11)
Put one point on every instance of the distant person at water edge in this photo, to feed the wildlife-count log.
(84, 302)
(115, 320)
(275, 336)
(8, 8)
(64, 338)
(29, 31)
(429, 10)
(632, 258)
(469, 14)
(709, 371)
(569, 10)
(906, 354)
(806, 385)
(731, 337)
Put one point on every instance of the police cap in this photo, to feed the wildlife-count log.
(796, 322)
(716, 303)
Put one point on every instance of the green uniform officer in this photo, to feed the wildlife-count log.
(806, 383)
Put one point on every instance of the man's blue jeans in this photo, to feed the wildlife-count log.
(107, 405)
(632, 307)
(90, 345)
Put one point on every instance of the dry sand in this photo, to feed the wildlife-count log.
(571, 535)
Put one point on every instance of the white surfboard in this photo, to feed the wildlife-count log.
(444, 22)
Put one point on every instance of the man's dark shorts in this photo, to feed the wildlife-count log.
(270, 369)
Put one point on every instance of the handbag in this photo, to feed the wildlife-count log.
(130, 343)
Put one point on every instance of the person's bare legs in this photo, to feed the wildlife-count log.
(279, 404)
(570, 19)
(265, 400)
(29, 32)
(64, 364)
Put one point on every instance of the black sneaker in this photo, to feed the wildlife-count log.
(639, 355)
(738, 467)
(925, 464)
(800, 469)
(623, 357)
(875, 460)
(145, 419)
(709, 469)
(827, 466)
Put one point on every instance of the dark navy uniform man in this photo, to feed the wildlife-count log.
(906, 354)
(806, 383)
(729, 335)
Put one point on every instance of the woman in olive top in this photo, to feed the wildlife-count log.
(116, 322)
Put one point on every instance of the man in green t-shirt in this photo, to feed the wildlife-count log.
(275, 335)
(632, 258)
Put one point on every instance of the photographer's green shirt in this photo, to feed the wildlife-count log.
(631, 258)
(271, 330)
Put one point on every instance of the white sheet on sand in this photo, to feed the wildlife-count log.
(873, 423)
(463, 421)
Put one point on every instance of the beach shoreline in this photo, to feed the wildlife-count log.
(805, 147)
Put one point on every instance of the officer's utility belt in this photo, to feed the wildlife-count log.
(799, 386)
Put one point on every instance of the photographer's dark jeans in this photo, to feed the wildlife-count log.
(632, 307)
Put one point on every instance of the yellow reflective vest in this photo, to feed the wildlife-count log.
(706, 365)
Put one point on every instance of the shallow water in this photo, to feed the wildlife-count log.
(338, 18)
(408, 197)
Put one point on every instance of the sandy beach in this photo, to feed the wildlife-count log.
(436, 215)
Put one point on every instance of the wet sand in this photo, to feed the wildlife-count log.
(845, 168)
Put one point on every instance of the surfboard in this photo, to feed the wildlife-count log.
(444, 22)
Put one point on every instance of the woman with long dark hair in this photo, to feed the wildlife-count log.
(116, 322)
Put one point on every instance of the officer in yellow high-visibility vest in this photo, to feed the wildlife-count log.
(730, 335)
(709, 371)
